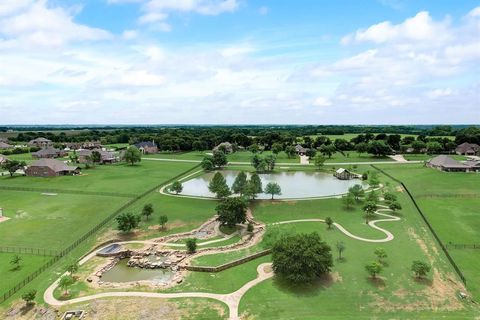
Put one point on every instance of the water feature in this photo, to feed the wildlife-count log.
(121, 272)
(296, 184)
(112, 248)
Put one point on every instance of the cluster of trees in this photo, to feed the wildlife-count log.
(128, 221)
(217, 160)
(13, 165)
(187, 138)
(246, 188)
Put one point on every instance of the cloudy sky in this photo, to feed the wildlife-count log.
(239, 61)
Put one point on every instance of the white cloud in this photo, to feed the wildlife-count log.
(419, 28)
(263, 10)
(322, 102)
(130, 34)
(35, 24)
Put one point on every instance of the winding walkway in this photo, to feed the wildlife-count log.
(232, 300)
(372, 223)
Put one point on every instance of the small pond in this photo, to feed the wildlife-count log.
(294, 185)
(123, 273)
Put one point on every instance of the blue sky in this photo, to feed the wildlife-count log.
(239, 61)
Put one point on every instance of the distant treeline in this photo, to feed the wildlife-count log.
(187, 138)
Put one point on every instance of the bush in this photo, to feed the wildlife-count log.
(191, 245)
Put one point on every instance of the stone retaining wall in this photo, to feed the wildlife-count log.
(229, 264)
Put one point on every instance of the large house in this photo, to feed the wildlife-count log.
(49, 153)
(50, 168)
(147, 147)
(105, 156)
(4, 145)
(445, 163)
(301, 151)
(468, 149)
(40, 143)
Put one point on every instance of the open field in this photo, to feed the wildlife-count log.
(120, 178)
(450, 201)
(28, 264)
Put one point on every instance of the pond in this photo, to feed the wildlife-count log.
(123, 273)
(294, 185)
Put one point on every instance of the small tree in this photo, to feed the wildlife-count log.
(327, 150)
(373, 180)
(374, 268)
(65, 282)
(15, 262)
(147, 210)
(29, 296)
(218, 185)
(277, 148)
(420, 268)
(163, 221)
(232, 211)
(273, 189)
(133, 155)
(319, 161)
(13, 165)
(240, 184)
(395, 206)
(329, 222)
(191, 245)
(369, 209)
(340, 249)
(348, 200)
(357, 191)
(207, 164)
(176, 187)
(254, 186)
(96, 157)
(127, 221)
(219, 158)
(381, 255)
(72, 268)
(372, 197)
(389, 197)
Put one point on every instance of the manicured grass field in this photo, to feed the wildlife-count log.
(28, 264)
(121, 178)
(451, 202)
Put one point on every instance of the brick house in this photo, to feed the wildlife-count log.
(468, 149)
(105, 156)
(40, 143)
(147, 147)
(49, 153)
(50, 168)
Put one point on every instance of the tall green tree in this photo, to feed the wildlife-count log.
(319, 161)
(277, 148)
(420, 268)
(240, 184)
(219, 158)
(232, 211)
(207, 164)
(356, 191)
(374, 268)
(147, 210)
(218, 186)
(13, 165)
(273, 188)
(290, 151)
(29, 297)
(133, 155)
(348, 200)
(163, 219)
(301, 258)
(66, 282)
(191, 245)
(254, 186)
(328, 150)
(176, 187)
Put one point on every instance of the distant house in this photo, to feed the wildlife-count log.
(468, 149)
(40, 143)
(4, 145)
(49, 153)
(301, 151)
(105, 156)
(226, 147)
(147, 147)
(445, 163)
(3, 159)
(50, 168)
(92, 145)
(344, 174)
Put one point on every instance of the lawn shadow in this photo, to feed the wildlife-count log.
(377, 282)
(423, 281)
(26, 308)
(308, 289)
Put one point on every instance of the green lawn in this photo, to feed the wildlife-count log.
(28, 264)
(121, 178)
(450, 201)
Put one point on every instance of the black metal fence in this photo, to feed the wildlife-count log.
(32, 251)
(462, 246)
(77, 242)
(79, 192)
(437, 238)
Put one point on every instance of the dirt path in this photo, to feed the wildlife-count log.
(389, 235)
(232, 300)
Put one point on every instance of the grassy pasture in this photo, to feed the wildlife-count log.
(121, 178)
(451, 202)
(28, 264)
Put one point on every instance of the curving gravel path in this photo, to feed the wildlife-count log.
(232, 300)
(372, 223)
